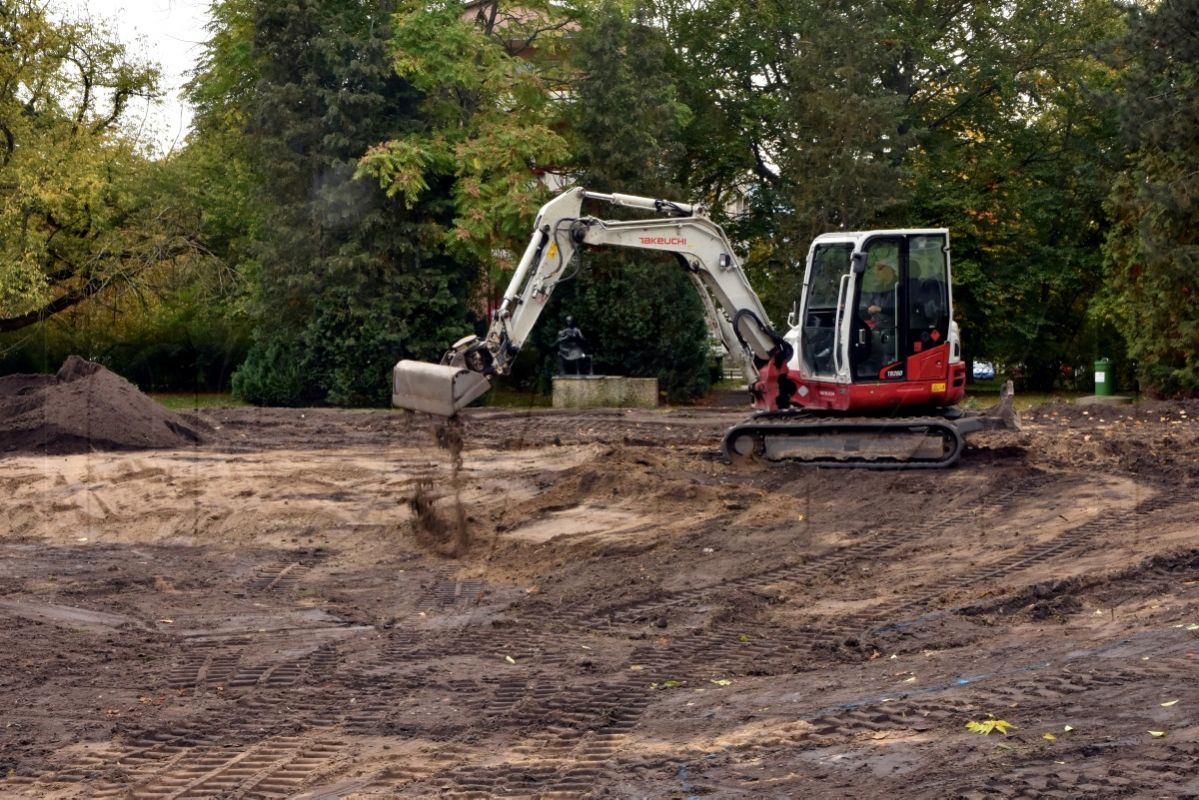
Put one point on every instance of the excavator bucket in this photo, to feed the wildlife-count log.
(434, 388)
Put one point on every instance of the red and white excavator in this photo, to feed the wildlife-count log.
(868, 373)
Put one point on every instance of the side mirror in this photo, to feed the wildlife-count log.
(858, 263)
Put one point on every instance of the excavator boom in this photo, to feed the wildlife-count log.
(699, 244)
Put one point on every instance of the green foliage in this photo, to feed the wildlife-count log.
(639, 311)
(791, 121)
(170, 337)
(80, 210)
(1014, 154)
(344, 281)
(361, 175)
(488, 85)
(277, 374)
(1152, 250)
(974, 116)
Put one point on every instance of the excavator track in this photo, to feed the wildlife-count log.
(931, 442)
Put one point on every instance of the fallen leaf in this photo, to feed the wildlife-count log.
(721, 681)
(744, 638)
(1068, 728)
(1167, 705)
(1049, 736)
(510, 659)
(987, 726)
(1157, 734)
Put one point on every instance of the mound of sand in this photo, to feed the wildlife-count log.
(85, 407)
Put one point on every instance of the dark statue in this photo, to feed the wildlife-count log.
(572, 360)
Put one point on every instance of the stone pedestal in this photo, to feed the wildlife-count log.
(1105, 400)
(605, 391)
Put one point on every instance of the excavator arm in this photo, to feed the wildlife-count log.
(699, 244)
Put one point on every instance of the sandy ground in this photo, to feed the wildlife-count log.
(323, 604)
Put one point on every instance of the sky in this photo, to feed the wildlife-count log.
(168, 32)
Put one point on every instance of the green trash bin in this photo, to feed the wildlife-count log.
(1103, 378)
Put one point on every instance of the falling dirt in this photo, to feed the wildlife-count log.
(451, 538)
(236, 617)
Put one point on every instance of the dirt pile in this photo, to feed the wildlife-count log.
(85, 407)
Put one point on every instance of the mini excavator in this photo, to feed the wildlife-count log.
(868, 373)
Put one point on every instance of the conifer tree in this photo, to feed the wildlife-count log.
(348, 282)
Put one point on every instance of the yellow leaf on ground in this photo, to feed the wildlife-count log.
(1157, 734)
(1049, 736)
(987, 726)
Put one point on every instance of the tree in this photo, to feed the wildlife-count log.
(1014, 150)
(79, 210)
(958, 113)
(1152, 249)
(344, 281)
(491, 78)
(625, 119)
(792, 124)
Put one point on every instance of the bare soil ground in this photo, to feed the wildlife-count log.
(331, 604)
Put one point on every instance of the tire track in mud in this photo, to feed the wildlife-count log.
(273, 730)
(284, 575)
(220, 755)
(205, 665)
(532, 705)
(1033, 555)
(576, 726)
(1116, 763)
(791, 576)
(577, 731)
(449, 591)
(719, 646)
(1122, 769)
(726, 648)
(1034, 687)
(274, 768)
(573, 732)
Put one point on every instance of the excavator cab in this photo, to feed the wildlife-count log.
(875, 329)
